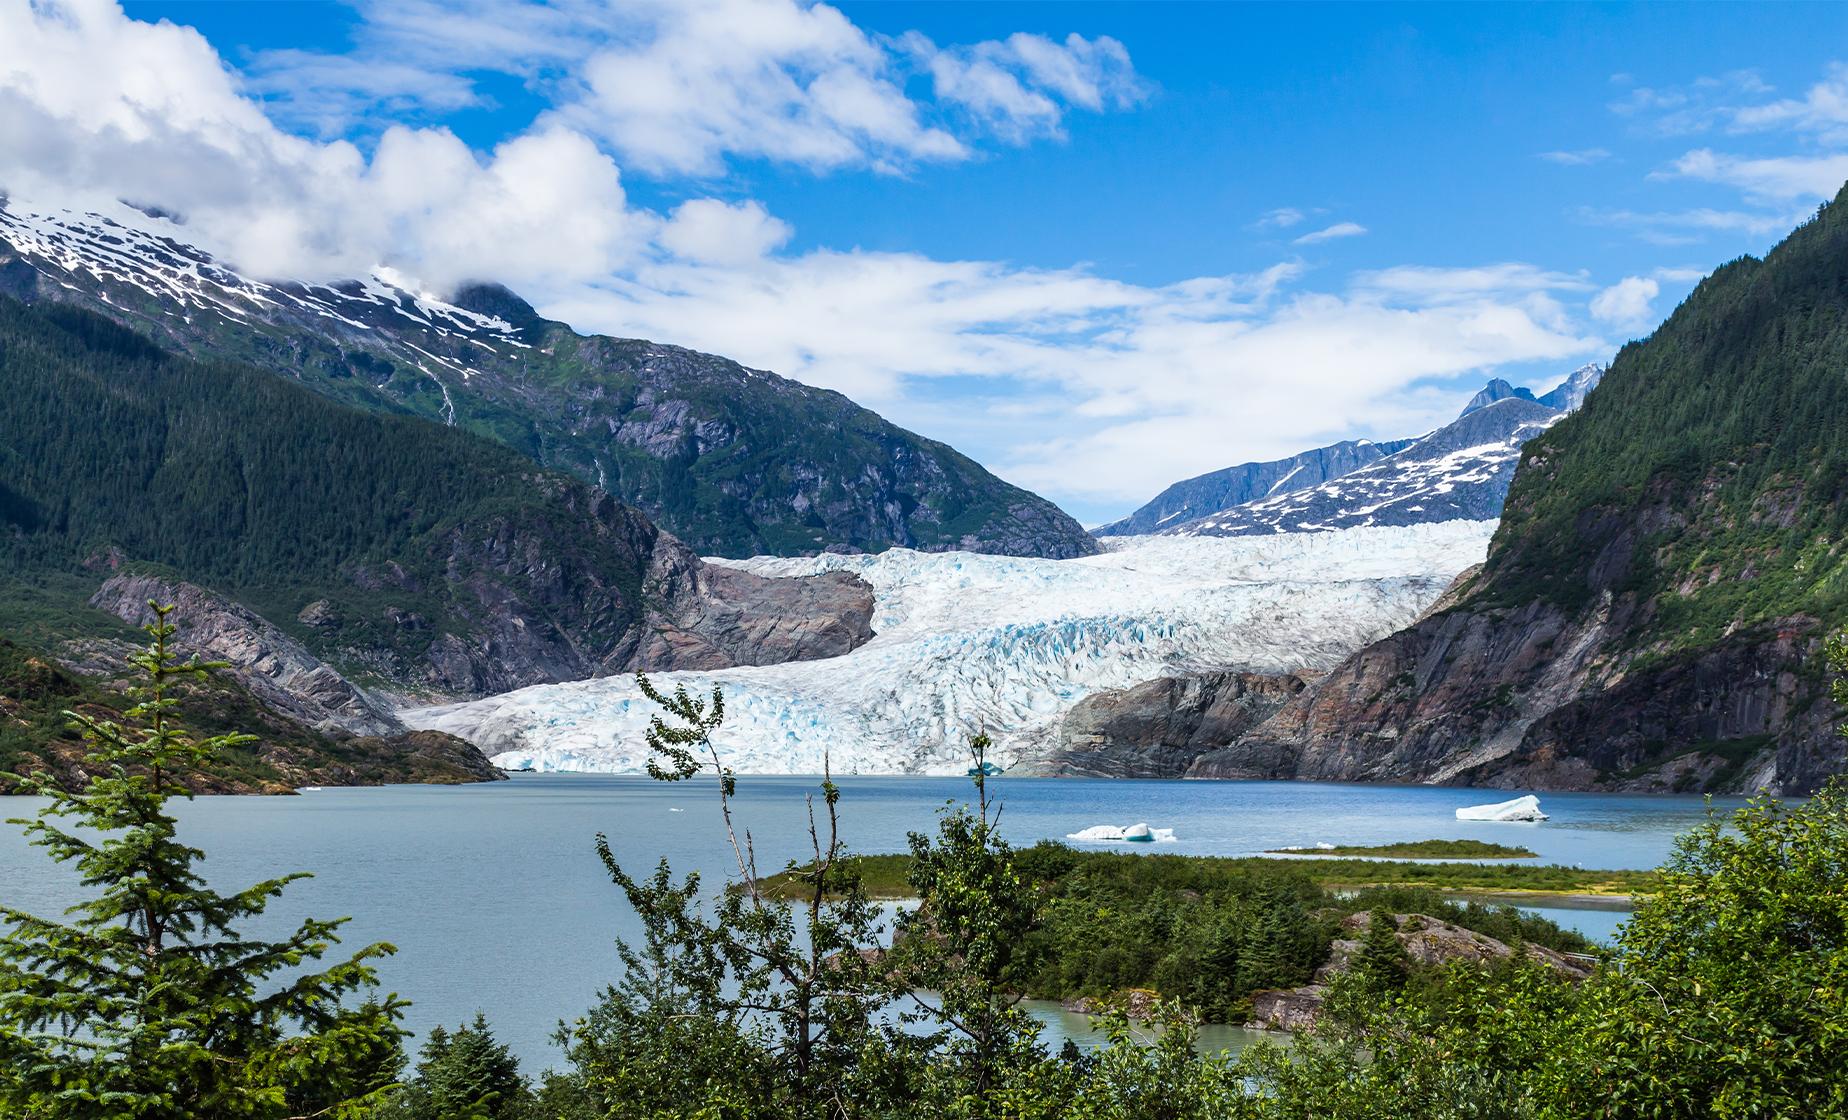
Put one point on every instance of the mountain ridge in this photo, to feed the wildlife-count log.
(732, 460)
(1309, 492)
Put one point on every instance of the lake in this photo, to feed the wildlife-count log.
(496, 900)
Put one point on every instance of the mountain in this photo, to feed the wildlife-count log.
(1496, 390)
(307, 536)
(733, 461)
(1209, 493)
(1571, 392)
(1460, 471)
(1652, 611)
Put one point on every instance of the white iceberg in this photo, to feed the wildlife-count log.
(1525, 808)
(1111, 834)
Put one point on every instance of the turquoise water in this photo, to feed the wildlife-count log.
(496, 900)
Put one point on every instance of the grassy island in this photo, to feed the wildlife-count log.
(884, 876)
(1417, 849)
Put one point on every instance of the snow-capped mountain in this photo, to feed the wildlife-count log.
(1462, 470)
(966, 642)
(1208, 493)
(1497, 390)
(729, 459)
(1571, 392)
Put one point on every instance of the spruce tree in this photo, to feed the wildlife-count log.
(1382, 963)
(149, 1002)
(465, 1074)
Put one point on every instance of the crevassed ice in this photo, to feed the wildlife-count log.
(1001, 644)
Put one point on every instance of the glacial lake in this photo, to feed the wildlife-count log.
(496, 901)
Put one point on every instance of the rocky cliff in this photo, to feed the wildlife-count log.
(1159, 728)
(734, 461)
(91, 678)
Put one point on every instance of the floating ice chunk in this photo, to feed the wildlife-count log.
(1525, 808)
(1134, 834)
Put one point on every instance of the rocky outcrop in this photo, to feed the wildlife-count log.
(276, 668)
(1429, 942)
(1157, 729)
(708, 616)
(93, 679)
(1528, 698)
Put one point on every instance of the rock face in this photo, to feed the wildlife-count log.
(1428, 941)
(735, 461)
(1159, 728)
(1209, 493)
(1528, 698)
(277, 670)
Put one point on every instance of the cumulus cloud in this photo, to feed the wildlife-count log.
(1019, 87)
(1081, 385)
(678, 87)
(1626, 303)
(1332, 233)
(708, 231)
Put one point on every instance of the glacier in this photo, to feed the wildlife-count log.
(1006, 645)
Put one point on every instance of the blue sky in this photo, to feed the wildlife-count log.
(1097, 246)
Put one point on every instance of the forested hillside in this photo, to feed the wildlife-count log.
(734, 461)
(421, 556)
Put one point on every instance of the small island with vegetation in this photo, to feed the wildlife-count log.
(1415, 849)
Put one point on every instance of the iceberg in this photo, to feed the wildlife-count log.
(1525, 808)
(1007, 644)
(1113, 834)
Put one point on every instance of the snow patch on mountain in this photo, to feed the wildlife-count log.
(968, 642)
(144, 251)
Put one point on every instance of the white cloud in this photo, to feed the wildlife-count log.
(1019, 87)
(1823, 110)
(1331, 233)
(1705, 219)
(1281, 218)
(1109, 390)
(1578, 157)
(1774, 178)
(677, 87)
(1626, 303)
(712, 232)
